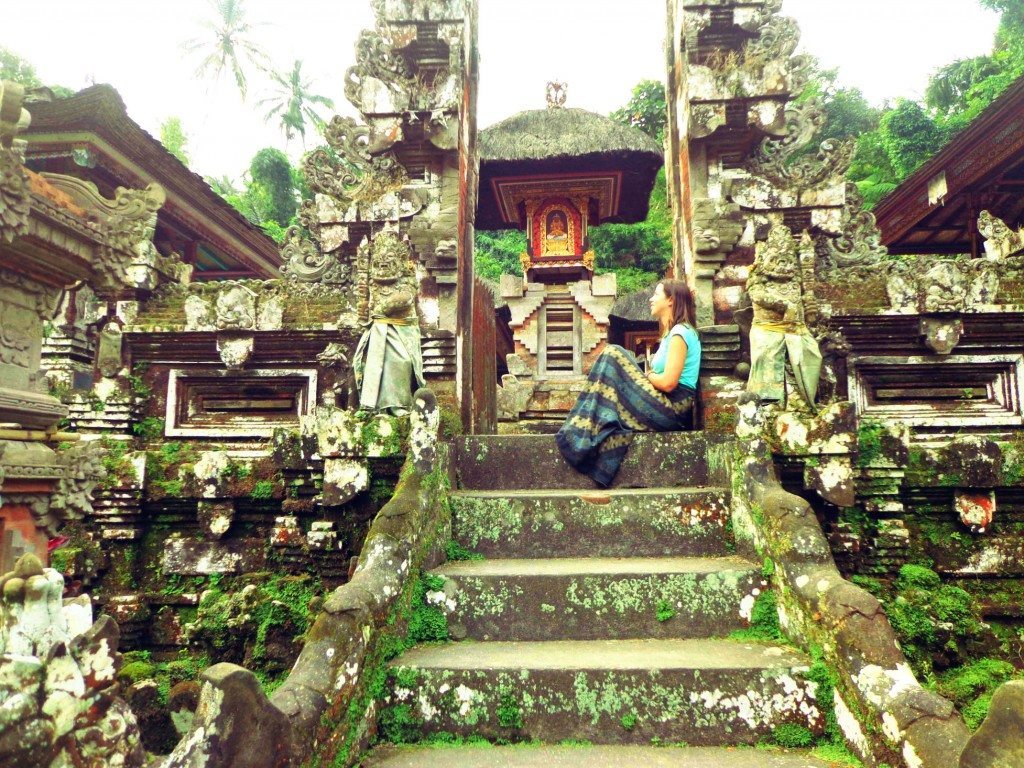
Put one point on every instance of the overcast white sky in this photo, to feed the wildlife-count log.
(602, 49)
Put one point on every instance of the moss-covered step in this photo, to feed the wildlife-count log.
(702, 692)
(585, 756)
(640, 522)
(597, 598)
(661, 460)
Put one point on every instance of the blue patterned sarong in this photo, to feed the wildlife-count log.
(617, 401)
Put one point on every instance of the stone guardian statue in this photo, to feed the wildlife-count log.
(388, 361)
(779, 329)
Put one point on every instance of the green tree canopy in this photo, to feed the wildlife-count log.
(272, 173)
(174, 138)
(645, 109)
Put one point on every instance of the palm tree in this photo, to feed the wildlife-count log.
(294, 104)
(231, 46)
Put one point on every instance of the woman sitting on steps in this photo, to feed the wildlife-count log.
(620, 399)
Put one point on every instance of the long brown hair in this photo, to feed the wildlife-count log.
(684, 308)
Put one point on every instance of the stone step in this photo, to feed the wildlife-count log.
(587, 756)
(642, 522)
(654, 460)
(597, 598)
(702, 692)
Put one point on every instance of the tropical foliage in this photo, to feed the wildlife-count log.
(294, 104)
(228, 45)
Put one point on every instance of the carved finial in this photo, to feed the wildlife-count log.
(13, 118)
(556, 93)
(1001, 241)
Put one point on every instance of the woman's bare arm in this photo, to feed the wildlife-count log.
(674, 363)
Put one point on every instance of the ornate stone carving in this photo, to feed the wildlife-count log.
(556, 94)
(15, 196)
(860, 241)
(941, 334)
(943, 286)
(60, 686)
(381, 80)
(305, 264)
(235, 309)
(1001, 241)
(785, 162)
(83, 471)
(388, 281)
(128, 258)
(356, 176)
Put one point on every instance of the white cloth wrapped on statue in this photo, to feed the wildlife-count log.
(389, 365)
(769, 346)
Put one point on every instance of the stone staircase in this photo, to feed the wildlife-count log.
(597, 616)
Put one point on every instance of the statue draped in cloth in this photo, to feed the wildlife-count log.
(388, 360)
(779, 330)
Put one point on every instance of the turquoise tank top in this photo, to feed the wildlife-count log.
(691, 368)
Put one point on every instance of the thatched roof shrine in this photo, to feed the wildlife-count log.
(613, 164)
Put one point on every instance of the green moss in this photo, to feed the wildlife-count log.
(628, 721)
(119, 469)
(63, 558)
(150, 428)
(869, 441)
(792, 736)
(764, 620)
(135, 671)
(451, 423)
(509, 712)
(971, 687)
(399, 724)
(455, 551)
(917, 577)
(768, 568)
(838, 754)
(664, 611)
(264, 489)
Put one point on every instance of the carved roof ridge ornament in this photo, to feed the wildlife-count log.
(355, 175)
(860, 241)
(304, 263)
(1000, 241)
(15, 194)
(556, 92)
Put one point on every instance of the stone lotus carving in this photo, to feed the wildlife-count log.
(1001, 241)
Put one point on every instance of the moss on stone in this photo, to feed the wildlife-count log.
(971, 686)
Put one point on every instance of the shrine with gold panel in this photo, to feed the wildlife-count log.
(553, 174)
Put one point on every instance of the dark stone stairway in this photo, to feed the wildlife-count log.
(597, 616)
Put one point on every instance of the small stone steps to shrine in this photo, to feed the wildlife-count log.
(598, 616)
(586, 756)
